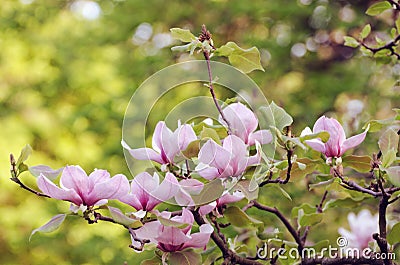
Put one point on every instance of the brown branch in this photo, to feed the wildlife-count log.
(283, 219)
(351, 185)
(229, 256)
(389, 46)
(206, 36)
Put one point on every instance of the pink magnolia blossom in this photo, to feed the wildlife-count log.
(243, 123)
(173, 238)
(147, 192)
(362, 226)
(166, 144)
(229, 160)
(337, 143)
(83, 190)
(219, 203)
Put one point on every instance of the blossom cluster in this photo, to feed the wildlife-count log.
(223, 159)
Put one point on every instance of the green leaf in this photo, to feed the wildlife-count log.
(211, 191)
(388, 144)
(365, 31)
(321, 184)
(244, 186)
(310, 219)
(192, 150)
(277, 116)
(394, 175)
(298, 171)
(22, 168)
(238, 218)
(153, 261)
(393, 236)
(342, 203)
(378, 8)
(224, 51)
(306, 207)
(51, 225)
(358, 163)
(350, 42)
(25, 153)
(209, 133)
(377, 125)
(245, 60)
(183, 35)
(324, 136)
(188, 257)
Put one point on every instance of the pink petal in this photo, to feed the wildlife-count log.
(74, 177)
(193, 186)
(183, 198)
(142, 185)
(132, 200)
(49, 188)
(336, 133)
(167, 189)
(200, 239)
(214, 155)
(185, 135)
(207, 172)
(97, 176)
(170, 235)
(149, 230)
(157, 136)
(261, 136)
(230, 198)
(206, 209)
(353, 142)
(316, 144)
(114, 188)
(241, 120)
(147, 154)
(237, 149)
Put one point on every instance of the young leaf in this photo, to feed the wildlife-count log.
(388, 144)
(394, 175)
(365, 31)
(393, 236)
(244, 186)
(238, 218)
(183, 35)
(276, 115)
(51, 225)
(211, 191)
(350, 42)
(210, 133)
(188, 257)
(47, 171)
(310, 219)
(378, 8)
(192, 150)
(153, 261)
(377, 125)
(25, 153)
(245, 60)
(359, 163)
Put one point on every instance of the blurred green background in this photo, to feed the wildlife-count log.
(69, 68)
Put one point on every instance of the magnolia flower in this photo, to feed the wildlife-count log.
(166, 144)
(243, 123)
(83, 190)
(337, 143)
(220, 202)
(362, 226)
(230, 159)
(147, 192)
(177, 237)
